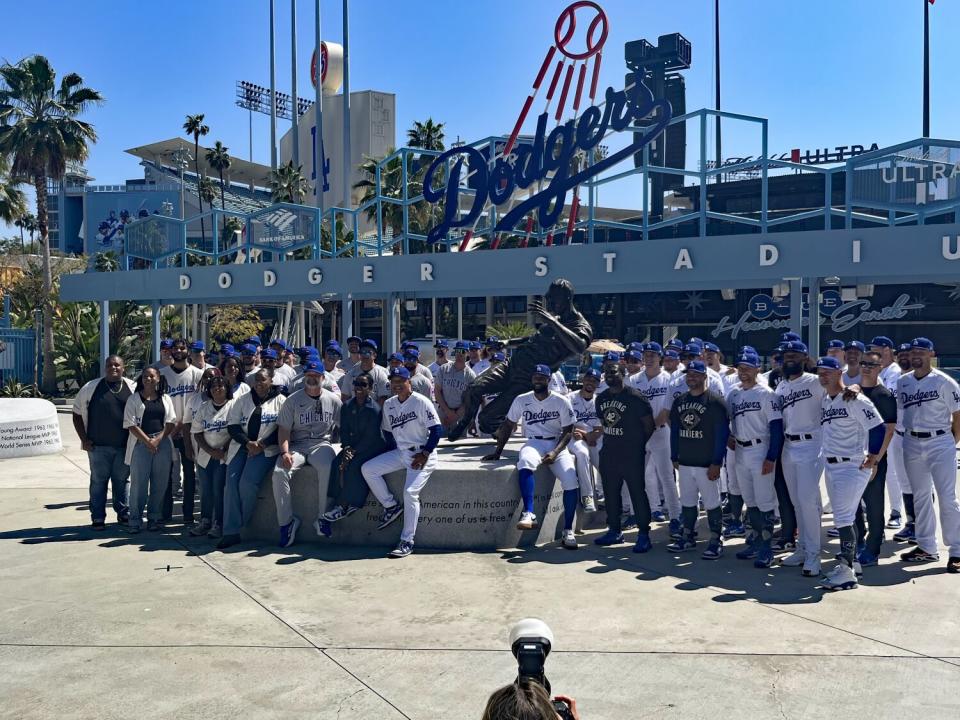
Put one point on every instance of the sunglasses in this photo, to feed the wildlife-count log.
(869, 365)
(366, 351)
(360, 384)
(460, 352)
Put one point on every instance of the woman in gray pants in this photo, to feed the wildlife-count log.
(149, 417)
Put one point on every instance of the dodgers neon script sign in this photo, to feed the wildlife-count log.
(550, 156)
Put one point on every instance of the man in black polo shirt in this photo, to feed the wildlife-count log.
(627, 420)
(868, 544)
(98, 420)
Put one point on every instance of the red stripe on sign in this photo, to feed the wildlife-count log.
(795, 155)
(574, 211)
(466, 240)
(563, 93)
(543, 68)
(580, 81)
(596, 76)
(549, 239)
(556, 77)
(516, 128)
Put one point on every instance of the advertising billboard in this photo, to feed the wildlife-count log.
(106, 214)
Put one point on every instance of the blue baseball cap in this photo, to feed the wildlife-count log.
(855, 345)
(197, 346)
(399, 372)
(279, 342)
(696, 366)
(395, 357)
(493, 341)
(835, 345)
(793, 346)
(311, 355)
(498, 356)
(224, 354)
(611, 356)
(592, 373)
(921, 343)
(698, 341)
(749, 349)
(635, 346)
(254, 340)
(268, 354)
(692, 349)
(226, 346)
(411, 354)
(790, 337)
(368, 343)
(543, 370)
(653, 347)
(828, 363)
(333, 347)
(475, 345)
(166, 344)
(313, 366)
(748, 359)
(673, 354)
(441, 344)
(460, 345)
(904, 347)
(710, 347)
(248, 349)
(882, 341)
(354, 338)
(675, 343)
(633, 355)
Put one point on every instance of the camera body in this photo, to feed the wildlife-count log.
(531, 640)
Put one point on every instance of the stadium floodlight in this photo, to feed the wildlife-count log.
(256, 98)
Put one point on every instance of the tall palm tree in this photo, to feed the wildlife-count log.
(194, 126)
(30, 224)
(13, 203)
(219, 159)
(287, 183)
(427, 135)
(207, 190)
(40, 132)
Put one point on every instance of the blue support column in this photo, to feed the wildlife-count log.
(346, 321)
(796, 305)
(391, 308)
(155, 331)
(813, 329)
(104, 332)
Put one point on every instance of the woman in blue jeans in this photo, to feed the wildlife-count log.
(252, 424)
(149, 417)
(209, 429)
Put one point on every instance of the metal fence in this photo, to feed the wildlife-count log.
(17, 355)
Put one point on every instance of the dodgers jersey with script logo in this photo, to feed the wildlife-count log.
(409, 421)
(800, 404)
(584, 411)
(541, 418)
(846, 424)
(751, 412)
(181, 386)
(928, 403)
(656, 389)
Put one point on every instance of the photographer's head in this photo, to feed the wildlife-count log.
(524, 700)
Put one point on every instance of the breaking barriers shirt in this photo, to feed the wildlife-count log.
(621, 415)
(698, 429)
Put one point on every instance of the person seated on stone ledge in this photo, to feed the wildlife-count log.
(361, 439)
(307, 422)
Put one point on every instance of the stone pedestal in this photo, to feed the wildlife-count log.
(28, 426)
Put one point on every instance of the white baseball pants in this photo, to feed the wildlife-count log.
(658, 473)
(897, 481)
(756, 488)
(932, 467)
(587, 461)
(373, 471)
(564, 468)
(321, 458)
(802, 467)
(695, 484)
(730, 482)
(845, 485)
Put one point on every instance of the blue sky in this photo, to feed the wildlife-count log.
(825, 72)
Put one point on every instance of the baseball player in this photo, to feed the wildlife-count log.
(853, 353)
(412, 428)
(548, 423)
(587, 438)
(835, 349)
(756, 428)
(306, 422)
(904, 494)
(353, 355)
(452, 381)
(420, 381)
(699, 427)
(928, 400)
(653, 382)
(441, 347)
(890, 372)
(627, 418)
(367, 364)
(476, 363)
(671, 363)
(849, 428)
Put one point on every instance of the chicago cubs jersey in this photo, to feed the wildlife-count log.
(800, 404)
(541, 418)
(928, 403)
(409, 421)
(584, 411)
(310, 420)
(656, 389)
(452, 383)
(846, 424)
(751, 412)
(381, 382)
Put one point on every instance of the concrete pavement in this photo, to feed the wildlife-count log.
(112, 626)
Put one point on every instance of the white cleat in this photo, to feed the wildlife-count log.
(811, 566)
(528, 521)
(794, 559)
(840, 578)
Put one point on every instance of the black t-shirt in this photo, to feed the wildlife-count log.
(698, 429)
(622, 416)
(884, 401)
(105, 415)
(153, 414)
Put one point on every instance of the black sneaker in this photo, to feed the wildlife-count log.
(401, 551)
(98, 525)
(953, 565)
(918, 555)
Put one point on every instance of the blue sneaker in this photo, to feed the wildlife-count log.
(734, 529)
(288, 533)
(658, 516)
(643, 544)
(628, 522)
(682, 545)
(323, 527)
(748, 552)
(867, 558)
(609, 538)
(764, 558)
(401, 551)
(907, 534)
(676, 532)
(389, 515)
(714, 550)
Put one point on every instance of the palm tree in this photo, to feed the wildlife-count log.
(30, 224)
(288, 184)
(207, 191)
(194, 126)
(427, 135)
(219, 160)
(40, 132)
(13, 203)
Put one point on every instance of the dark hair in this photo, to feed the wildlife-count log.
(365, 376)
(564, 285)
(223, 379)
(161, 386)
(178, 342)
(236, 360)
(875, 353)
(111, 357)
(268, 371)
(524, 700)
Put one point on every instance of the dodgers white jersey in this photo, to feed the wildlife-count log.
(751, 412)
(409, 421)
(927, 404)
(800, 404)
(558, 384)
(541, 418)
(584, 411)
(655, 389)
(212, 422)
(846, 425)
(890, 376)
(181, 386)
